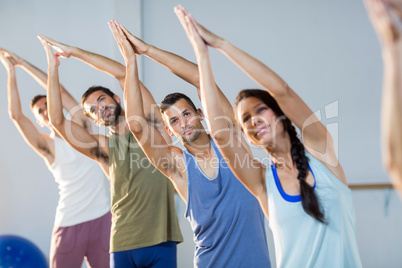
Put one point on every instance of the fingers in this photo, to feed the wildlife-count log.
(51, 42)
(182, 8)
(125, 31)
(388, 18)
(116, 34)
(194, 33)
(195, 24)
(6, 52)
(131, 38)
(395, 14)
(121, 40)
(47, 39)
(44, 43)
(15, 58)
(2, 57)
(385, 20)
(181, 14)
(5, 61)
(51, 57)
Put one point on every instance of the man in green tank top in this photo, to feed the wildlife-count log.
(144, 220)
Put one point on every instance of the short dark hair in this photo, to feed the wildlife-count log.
(172, 98)
(36, 99)
(92, 90)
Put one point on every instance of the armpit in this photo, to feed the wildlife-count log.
(44, 148)
(99, 154)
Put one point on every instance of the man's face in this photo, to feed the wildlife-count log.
(183, 122)
(40, 112)
(102, 108)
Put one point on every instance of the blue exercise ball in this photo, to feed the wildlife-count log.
(18, 252)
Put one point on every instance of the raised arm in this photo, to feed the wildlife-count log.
(93, 146)
(68, 102)
(186, 70)
(99, 62)
(114, 69)
(161, 155)
(41, 143)
(386, 17)
(317, 139)
(181, 67)
(221, 122)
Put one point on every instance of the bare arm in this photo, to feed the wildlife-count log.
(315, 136)
(220, 114)
(68, 102)
(154, 145)
(77, 136)
(115, 69)
(387, 20)
(38, 141)
(186, 70)
(391, 114)
(181, 67)
(99, 62)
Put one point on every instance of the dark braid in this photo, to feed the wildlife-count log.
(308, 197)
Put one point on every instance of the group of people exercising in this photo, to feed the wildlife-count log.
(107, 204)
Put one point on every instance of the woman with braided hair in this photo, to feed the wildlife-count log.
(303, 193)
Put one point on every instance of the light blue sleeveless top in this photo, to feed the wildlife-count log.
(302, 241)
(226, 219)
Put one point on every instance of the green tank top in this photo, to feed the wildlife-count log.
(143, 206)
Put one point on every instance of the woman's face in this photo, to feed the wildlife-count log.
(259, 123)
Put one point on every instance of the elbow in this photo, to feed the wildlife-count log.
(219, 135)
(15, 116)
(283, 91)
(135, 128)
(196, 81)
(121, 74)
(57, 121)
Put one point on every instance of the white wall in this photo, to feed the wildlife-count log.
(326, 50)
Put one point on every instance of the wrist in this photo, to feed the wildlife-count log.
(150, 49)
(53, 68)
(203, 57)
(391, 51)
(222, 44)
(131, 63)
(11, 71)
(75, 51)
(22, 63)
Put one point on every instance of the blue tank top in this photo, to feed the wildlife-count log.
(302, 241)
(226, 219)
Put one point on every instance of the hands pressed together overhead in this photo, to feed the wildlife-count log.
(63, 50)
(386, 16)
(199, 37)
(6, 60)
(123, 39)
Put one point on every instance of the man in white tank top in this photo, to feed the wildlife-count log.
(82, 222)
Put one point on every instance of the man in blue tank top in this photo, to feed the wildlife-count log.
(226, 219)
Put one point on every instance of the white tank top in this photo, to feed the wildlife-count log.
(302, 241)
(83, 187)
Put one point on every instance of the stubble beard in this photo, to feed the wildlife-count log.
(192, 138)
(115, 112)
